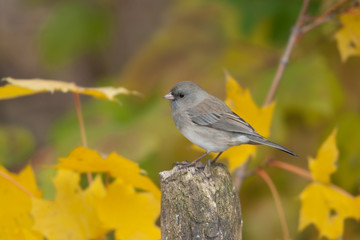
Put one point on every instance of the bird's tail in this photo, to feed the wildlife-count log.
(262, 140)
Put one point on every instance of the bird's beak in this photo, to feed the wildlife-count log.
(169, 96)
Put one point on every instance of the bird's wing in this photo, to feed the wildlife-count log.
(219, 117)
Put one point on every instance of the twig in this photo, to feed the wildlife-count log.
(278, 204)
(291, 168)
(332, 8)
(299, 29)
(324, 17)
(82, 128)
(80, 119)
(305, 174)
(285, 58)
(18, 185)
(316, 23)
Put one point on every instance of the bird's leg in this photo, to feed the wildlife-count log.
(216, 158)
(196, 160)
(187, 164)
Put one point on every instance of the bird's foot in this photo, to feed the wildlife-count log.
(186, 164)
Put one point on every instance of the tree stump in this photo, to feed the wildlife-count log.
(199, 203)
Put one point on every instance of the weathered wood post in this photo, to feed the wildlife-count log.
(199, 203)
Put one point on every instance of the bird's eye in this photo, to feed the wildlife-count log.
(181, 95)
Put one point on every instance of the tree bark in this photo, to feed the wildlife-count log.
(199, 203)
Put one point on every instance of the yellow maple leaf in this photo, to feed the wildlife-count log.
(241, 102)
(348, 37)
(15, 219)
(72, 215)
(130, 213)
(22, 87)
(323, 204)
(327, 208)
(86, 160)
(325, 162)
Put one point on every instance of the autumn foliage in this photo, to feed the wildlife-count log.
(107, 196)
(112, 200)
(120, 198)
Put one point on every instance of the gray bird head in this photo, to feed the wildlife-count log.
(185, 95)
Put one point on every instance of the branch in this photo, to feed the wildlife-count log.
(285, 58)
(324, 17)
(278, 204)
(80, 120)
(82, 128)
(298, 30)
(305, 174)
(291, 168)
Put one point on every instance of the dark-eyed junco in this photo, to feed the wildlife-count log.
(209, 123)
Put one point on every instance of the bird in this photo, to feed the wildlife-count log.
(209, 123)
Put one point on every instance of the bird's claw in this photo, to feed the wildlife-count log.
(184, 163)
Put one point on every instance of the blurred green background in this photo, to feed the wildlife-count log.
(149, 46)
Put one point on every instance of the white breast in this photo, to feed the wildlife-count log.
(206, 139)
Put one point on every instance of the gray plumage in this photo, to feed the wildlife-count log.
(209, 123)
